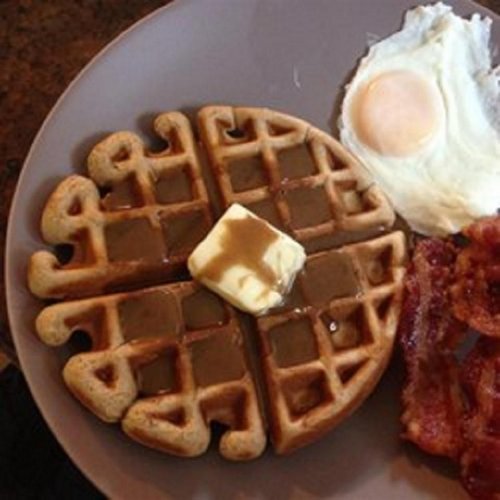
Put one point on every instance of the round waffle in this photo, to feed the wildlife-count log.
(169, 360)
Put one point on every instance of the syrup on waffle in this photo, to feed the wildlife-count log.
(154, 213)
(166, 361)
(324, 351)
(319, 355)
(293, 175)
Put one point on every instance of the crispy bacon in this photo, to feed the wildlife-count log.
(449, 409)
(429, 334)
(476, 293)
(480, 459)
(485, 232)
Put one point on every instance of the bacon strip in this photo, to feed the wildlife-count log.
(451, 410)
(485, 232)
(429, 334)
(480, 460)
(476, 294)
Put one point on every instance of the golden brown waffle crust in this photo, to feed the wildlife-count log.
(146, 419)
(223, 148)
(372, 358)
(74, 213)
(302, 400)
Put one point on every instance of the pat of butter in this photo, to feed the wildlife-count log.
(247, 261)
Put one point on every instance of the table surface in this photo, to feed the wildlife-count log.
(43, 45)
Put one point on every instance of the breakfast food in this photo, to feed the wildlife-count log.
(300, 180)
(476, 298)
(168, 360)
(135, 221)
(452, 407)
(247, 261)
(429, 335)
(293, 175)
(325, 350)
(421, 115)
(480, 458)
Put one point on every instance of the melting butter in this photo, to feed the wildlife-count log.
(247, 261)
(244, 242)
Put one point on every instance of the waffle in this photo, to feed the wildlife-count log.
(165, 361)
(314, 359)
(293, 175)
(325, 350)
(138, 229)
(276, 166)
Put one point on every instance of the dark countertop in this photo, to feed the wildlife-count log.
(43, 45)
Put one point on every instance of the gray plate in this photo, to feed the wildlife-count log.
(290, 55)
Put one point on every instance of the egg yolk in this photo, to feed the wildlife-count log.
(396, 113)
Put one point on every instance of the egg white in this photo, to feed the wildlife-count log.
(454, 178)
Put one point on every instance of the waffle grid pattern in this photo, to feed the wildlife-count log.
(265, 134)
(307, 396)
(75, 214)
(176, 421)
(319, 383)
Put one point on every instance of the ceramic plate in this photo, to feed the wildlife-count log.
(290, 55)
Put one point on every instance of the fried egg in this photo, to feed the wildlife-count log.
(422, 115)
